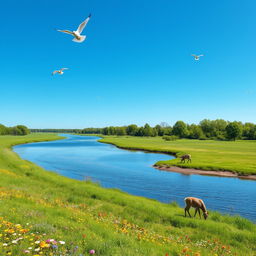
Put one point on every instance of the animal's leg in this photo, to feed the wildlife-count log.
(187, 210)
(195, 212)
(199, 213)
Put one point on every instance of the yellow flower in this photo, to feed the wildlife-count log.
(43, 244)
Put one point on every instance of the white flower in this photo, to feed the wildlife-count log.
(5, 244)
(37, 249)
(37, 242)
(30, 248)
(14, 241)
(61, 242)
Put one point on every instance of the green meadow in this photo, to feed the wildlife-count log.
(236, 156)
(43, 213)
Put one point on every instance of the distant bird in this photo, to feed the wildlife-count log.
(60, 71)
(197, 57)
(77, 34)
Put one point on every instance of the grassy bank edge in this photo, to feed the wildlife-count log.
(173, 162)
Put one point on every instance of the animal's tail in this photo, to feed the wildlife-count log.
(80, 40)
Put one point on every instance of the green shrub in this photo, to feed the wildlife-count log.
(170, 138)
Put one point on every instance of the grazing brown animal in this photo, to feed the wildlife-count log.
(197, 204)
(184, 157)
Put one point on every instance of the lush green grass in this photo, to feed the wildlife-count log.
(109, 221)
(235, 156)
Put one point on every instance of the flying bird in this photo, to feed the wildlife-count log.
(77, 34)
(60, 71)
(197, 57)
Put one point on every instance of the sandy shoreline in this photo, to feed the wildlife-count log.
(188, 171)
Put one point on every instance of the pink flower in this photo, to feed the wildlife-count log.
(92, 251)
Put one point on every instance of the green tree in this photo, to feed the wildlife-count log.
(3, 130)
(23, 129)
(147, 130)
(132, 129)
(120, 131)
(195, 131)
(233, 130)
(180, 129)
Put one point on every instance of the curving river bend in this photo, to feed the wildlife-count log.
(81, 157)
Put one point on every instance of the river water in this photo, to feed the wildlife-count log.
(82, 157)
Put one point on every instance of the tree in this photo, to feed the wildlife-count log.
(132, 129)
(120, 131)
(195, 132)
(3, 130)
(180, 129)
(233, 130)
(147, 131)
(159, 130)
(23, 129)
(249, 131)
(207, 127)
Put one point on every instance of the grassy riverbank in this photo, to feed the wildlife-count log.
(234, 156)
(86, 216)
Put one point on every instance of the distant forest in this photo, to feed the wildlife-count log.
(16, 130)
(218, 129)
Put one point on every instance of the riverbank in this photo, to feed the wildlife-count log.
(86, 216)
(189, 171)
(228, 158)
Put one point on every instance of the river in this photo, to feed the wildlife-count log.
(82, 157)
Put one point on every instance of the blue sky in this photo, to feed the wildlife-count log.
(135, 65)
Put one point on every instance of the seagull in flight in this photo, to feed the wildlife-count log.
(77, 34)
(197, 57)
(60, 71)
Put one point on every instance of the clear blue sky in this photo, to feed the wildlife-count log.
(135, 65)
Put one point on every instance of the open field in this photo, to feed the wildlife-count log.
(234, 156)
(86, 216)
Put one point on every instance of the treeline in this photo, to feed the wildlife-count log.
(57, 130)
(16, 130)
(218, 129)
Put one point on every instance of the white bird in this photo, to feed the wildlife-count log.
(77, 34)
(197, 57)
(60, 71)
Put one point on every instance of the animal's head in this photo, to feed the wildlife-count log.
(206, 214)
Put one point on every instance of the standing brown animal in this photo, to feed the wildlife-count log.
(197, 204)
(184, 157)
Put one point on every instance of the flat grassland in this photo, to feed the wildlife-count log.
(235, 156)
(37, 205)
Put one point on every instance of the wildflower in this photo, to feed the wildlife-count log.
(54, 246)
(185, 250)
(92, 251)
(43, 244)
(5, 244)
(26, 251)
(37, 249)
(61, 242)
(37, 242)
